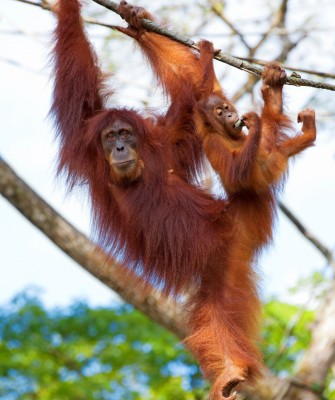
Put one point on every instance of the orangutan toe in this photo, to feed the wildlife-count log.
(223, 386)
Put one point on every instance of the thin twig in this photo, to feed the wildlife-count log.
(304, 70)
(308, 235)
(277, 20)
(42, 4)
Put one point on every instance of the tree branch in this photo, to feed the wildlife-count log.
(304, 70)
(308, 235)
(277, 20)
(222, 57)
(225, 58)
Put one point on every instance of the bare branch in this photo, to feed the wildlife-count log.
(277, 20)
(227, 59)
(308, 235)
(280, 14)
(247, 87)
(223, 57)
(41, 4)
(304, 70)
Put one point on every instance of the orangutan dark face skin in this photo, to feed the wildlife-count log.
(221, 113)
(119, 142)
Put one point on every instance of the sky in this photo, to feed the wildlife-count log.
(30, 260)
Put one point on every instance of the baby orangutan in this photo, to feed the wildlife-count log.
(256, 161)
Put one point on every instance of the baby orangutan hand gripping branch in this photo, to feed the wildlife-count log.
(139, 175)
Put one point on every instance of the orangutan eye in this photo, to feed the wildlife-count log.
(219, 111)
(125, 134)
(110, 137)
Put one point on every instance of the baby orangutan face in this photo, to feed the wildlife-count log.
(220, 114)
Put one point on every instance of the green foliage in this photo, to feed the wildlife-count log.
(117, 353)
(83, 353)
(286, 334)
